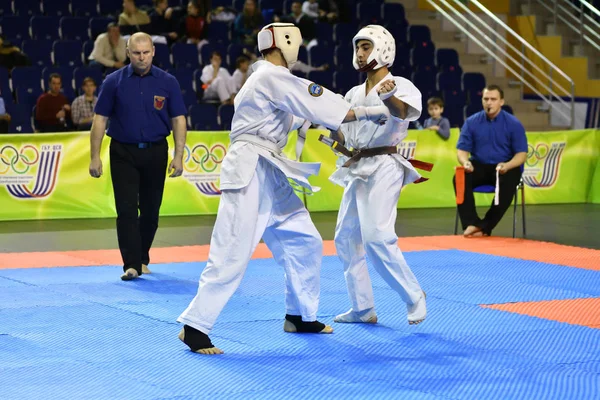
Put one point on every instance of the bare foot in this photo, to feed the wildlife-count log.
(198, 339)
(471, 229)
(145, 269)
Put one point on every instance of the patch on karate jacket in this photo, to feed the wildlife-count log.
(159, 102)
(315, 90)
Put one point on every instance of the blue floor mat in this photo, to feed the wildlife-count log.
(83, 333)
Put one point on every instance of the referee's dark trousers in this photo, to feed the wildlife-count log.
(485, 174)
(138, 177)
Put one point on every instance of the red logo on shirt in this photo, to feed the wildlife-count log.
(159, 102)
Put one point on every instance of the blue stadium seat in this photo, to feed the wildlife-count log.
(323, 78)
(15, 27)
(27, 8)
(5, 8)
(398, 31)
(218, 32)
(80, 73)
(320, 55)
(344, 32)
(303, 54)
(98, 25)
(67, 53)
(508, 109)
(275, 5)
(423, 58)
(20, 121)
(343, 57)
(448, 81)
(233, 52)
(324, 32)
(203, 117)
(44, 27)
(59, 8)
(84, 8)
(26, 76)
(185, 55)
(5, 91)
(418, 34)
(88, 47)
(471, 109)
(28, 95)
(162, 56)
(110, 7)
(238, 5)
(184, 76)
(197, 82)
(394, 13)
(74, 28)
(225, 112)
(454, 102)
(473, 84)
(38, 51)
(445, 58)
(343, 81)
(368, 13)
(424, 81)
(402, 59)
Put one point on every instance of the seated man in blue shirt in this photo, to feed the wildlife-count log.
(490, 140)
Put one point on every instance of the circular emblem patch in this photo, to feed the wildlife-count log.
(315, 90)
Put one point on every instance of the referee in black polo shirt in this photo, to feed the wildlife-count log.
(143, 103)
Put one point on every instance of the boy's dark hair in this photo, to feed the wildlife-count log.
(495, 87)
(435, 101)
(240, 60)
(215, 53)
(53, 76)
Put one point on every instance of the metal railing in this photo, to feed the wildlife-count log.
(579, 17)
(533, 70)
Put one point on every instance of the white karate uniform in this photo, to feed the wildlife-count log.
(372, 187)
(257, 200)
(220, 88)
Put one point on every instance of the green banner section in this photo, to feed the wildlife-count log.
(45, 176)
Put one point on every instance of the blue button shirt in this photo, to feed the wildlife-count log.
(140, 108)
(492, 141)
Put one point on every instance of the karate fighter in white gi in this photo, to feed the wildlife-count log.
(373, 180)
(257, 199)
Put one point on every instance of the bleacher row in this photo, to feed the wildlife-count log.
(61, 42)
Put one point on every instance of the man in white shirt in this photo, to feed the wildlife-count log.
(372, 181)
(109, 48)
(217, 81)
(257, 200)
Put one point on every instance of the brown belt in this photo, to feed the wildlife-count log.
(356, 155)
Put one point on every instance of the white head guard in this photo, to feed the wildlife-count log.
(384, 47)
(284, 36)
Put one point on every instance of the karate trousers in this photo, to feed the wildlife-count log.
(366, 227)
(267, 208)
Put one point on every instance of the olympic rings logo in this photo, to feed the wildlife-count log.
(18, 160)
(536, 154)
(202, 157)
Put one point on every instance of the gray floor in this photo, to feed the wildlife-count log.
(575, 224)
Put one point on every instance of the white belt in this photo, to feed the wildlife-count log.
(260, 142)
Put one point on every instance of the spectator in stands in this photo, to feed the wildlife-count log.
(217, 81)
(4, 117)
(82, 109)
(242, 65)
(248, 24)
(302, 21)
(161, 21)
(132, 19)
(195, 24)
(492, 143)
(311, 8)
(52, 108)
(329, 10)
(11, 56)
(435, 122)
(109, 48)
